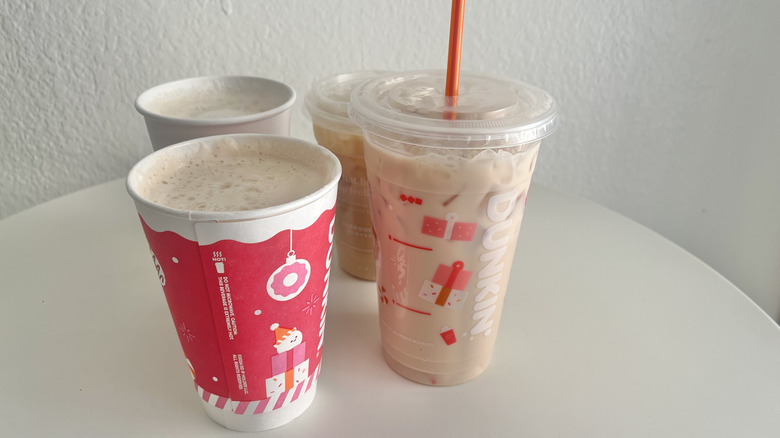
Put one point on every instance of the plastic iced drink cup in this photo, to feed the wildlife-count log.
(448, 190)
(240, 229)
(327, 103)
(215, 105)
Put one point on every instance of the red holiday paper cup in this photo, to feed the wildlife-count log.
(247, 289)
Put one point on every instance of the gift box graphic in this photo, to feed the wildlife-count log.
(449, 228)
(287, 379)
(448, 288)
(290, 366)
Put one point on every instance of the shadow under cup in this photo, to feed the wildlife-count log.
(215, 105)
(247, 289)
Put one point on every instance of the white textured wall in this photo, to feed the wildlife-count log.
(669, 108)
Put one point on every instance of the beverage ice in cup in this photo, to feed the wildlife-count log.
(240, 229)
(448, 190)
(215, 105)
(327, 103)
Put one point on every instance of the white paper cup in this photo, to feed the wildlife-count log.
(215, 105)
(247, 290)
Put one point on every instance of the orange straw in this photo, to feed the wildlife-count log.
(453, 57)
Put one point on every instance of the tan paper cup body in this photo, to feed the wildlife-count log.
(448, 192)
(247, 291)
(270, 116)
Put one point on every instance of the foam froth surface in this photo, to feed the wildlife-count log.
(212, 102)
(231, 175)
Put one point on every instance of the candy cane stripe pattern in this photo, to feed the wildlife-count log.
(212, 399)
(260, 406)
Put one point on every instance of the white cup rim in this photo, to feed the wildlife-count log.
(333, 177)
(286, 93)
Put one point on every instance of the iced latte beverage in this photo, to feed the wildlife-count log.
(327, 103)
(448, 190)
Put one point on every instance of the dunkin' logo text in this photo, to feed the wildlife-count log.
(494, 241)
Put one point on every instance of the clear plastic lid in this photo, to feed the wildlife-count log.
(490, 112)
(328, 100)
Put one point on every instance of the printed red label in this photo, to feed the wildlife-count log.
(250, 316)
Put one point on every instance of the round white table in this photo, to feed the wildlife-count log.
(609, 331)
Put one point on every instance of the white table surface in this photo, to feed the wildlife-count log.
(609, 331)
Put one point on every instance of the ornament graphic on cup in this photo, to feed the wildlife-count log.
(289, 279)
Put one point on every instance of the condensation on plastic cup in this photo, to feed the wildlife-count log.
(247, 290)
(263, 108)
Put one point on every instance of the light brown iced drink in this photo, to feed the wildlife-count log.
(447, 200)
(327, 103)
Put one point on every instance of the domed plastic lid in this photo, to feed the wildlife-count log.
(328, 98)
(490, 112)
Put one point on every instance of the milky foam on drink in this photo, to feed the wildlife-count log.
(232, 175)
(213, 102)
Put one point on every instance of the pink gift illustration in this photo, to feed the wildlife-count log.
(449, 228)
(448, 288)
(290, 366)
